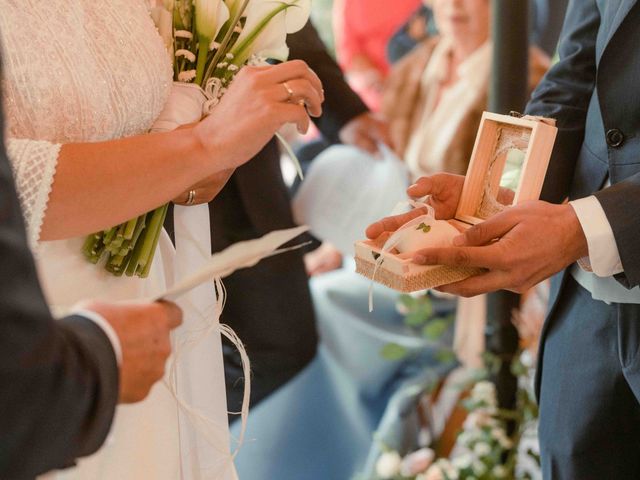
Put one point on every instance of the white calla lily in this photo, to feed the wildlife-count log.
(210, 16)
(233, 6)
(268, 23)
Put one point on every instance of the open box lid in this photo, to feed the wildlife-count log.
(512, 152)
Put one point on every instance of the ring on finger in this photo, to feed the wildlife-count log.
(289, 91)
(191, 197)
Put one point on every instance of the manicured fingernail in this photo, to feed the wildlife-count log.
(419, 258)
(458, 241)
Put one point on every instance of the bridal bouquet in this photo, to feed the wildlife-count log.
(209, 41)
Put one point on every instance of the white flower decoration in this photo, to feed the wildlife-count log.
(417, 462)
(388, 465)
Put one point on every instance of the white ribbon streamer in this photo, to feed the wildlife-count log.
(399, 234)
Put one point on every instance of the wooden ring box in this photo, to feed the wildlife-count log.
(532, 139)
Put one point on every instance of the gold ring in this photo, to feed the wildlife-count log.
(289, 91)
(191, 197)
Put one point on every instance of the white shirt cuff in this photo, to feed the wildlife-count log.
(106, 328)
(604, 258)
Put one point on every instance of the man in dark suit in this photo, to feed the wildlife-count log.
(269, 305)
(588, 378)
(60, 381)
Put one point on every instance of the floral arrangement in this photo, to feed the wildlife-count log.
(209, 42)
(484, 450)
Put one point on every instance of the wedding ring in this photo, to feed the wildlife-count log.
(191, 197)
(289, 91)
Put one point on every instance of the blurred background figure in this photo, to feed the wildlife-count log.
(419, 26)
(363, 29)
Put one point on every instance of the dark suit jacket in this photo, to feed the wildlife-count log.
(58, 379)
(593, 93)
(269, 305)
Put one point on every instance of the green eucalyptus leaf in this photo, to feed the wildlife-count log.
(415, 319)
(435, 329)
(393, 351)
(446, 356)
(407, 301)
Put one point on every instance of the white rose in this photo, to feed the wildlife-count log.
(501, 436)
(484, 392)
(388, 465)
(482, 449)
(434, 473)
(449, 470)
(417, 462)
(477, 419)
(499, 471)
(462, 462)
(479, 468)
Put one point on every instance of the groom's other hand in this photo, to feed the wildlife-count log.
(444, 190)
(519, 248)
(143, 332)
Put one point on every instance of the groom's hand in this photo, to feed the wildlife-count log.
(143, 331)
(519, 247)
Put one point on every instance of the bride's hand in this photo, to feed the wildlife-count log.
(206, 190)
(259, 101)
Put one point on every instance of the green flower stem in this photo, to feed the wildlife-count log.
(241, 51)
(132, 264)
(225, 42)
(90, 244)
(130, 228)
(109, 234)
(151, 235)
(158, 232)
(203, 51)
(137, 242)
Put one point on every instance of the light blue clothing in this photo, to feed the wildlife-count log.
(320, 426)
(606, 289)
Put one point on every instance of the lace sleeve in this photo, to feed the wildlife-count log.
(34, 165)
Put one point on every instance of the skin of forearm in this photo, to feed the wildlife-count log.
(99, 185)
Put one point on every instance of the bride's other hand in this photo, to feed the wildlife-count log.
(259, 101)
(206, 190)
(444, 190)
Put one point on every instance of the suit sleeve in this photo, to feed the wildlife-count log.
(565, 92)
(59, 380)
(341, 104)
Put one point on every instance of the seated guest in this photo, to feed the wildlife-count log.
(363, 29)
(546, 23)
(418, 27)
(435, 96)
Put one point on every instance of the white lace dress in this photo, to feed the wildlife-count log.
(83, 71)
